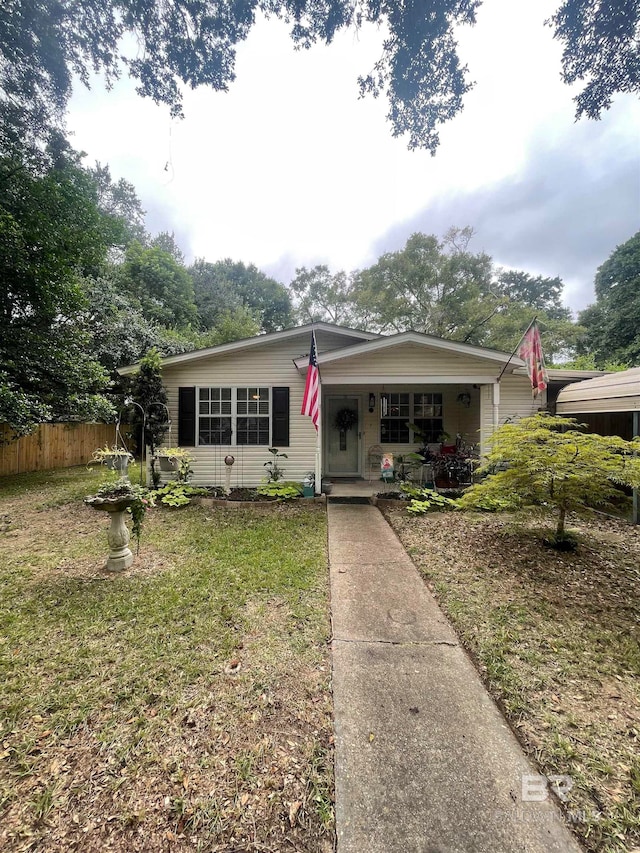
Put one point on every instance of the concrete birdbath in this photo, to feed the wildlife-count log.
(120, 555)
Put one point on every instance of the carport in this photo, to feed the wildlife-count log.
(609, 404)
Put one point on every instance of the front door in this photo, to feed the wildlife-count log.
(342, 430)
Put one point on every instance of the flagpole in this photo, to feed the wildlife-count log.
(312, 406)
(517, 347)
(318, 466)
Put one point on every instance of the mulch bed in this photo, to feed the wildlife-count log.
(556, 637)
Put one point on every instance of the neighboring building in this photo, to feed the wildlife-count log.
(609, 405)
(243, 397)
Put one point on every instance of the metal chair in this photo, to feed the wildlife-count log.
(374, 460)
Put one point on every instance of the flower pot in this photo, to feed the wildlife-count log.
(168, 463)
(117, 462)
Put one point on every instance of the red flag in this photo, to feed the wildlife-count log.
(531, 352)
(311, 399)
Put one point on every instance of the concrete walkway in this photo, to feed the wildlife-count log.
(424, 761)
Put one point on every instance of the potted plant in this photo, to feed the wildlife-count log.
(171, 458)
(116, 458)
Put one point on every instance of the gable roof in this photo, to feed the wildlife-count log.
(417, 338)
(257, 340)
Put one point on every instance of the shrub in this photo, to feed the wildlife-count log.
(426, 500)
(176, 493)
(274, 471)
(546, 460)
(285, 491)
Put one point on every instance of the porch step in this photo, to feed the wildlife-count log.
(348, 499)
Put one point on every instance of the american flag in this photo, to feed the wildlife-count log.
(311, 399)
(531, 353)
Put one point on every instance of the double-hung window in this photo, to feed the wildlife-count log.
(424, 410)
(234, 416)
(394, 424)
(427, 416)
(253, 410)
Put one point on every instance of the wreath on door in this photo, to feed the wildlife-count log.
(346, 419)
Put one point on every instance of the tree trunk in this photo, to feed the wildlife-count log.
(560, 527)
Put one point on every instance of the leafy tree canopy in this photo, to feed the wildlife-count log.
(440, 287)
(232, 325)
(162, 287)
(119, 200)
(223, 287)
(119, 333)
(613, 322)
(588, 362)
(321, 296)
(43, 44)
(51, 233)
(538, 292)
(150, 395)
(167, 242)
(431, 285)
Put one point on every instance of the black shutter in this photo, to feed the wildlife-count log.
(187, 417)
(280, 417)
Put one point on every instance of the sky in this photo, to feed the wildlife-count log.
(291, 168)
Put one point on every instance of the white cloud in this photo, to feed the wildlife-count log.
(291, 168)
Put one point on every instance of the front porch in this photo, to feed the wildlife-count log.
(361, 425)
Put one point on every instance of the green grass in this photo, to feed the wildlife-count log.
(105, 669)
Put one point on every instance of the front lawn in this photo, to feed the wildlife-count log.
(556, 637)
(182, 705)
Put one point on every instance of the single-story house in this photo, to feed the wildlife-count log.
(243, 397)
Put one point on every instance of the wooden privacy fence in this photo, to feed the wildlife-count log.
(54, 446)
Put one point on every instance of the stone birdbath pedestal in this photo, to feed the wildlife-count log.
(120, 555)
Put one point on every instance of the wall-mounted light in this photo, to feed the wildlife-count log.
(372, 402)
(464, 399)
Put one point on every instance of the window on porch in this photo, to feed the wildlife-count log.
(427, 416)
(402, 408)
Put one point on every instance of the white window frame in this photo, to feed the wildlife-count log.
(412, 418)
(234, 413)
(399, 418)
(415, 417)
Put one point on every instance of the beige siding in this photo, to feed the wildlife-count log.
(516, 401)
(401, 362)
(325, 341)
(457, 418)
(269, 365)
